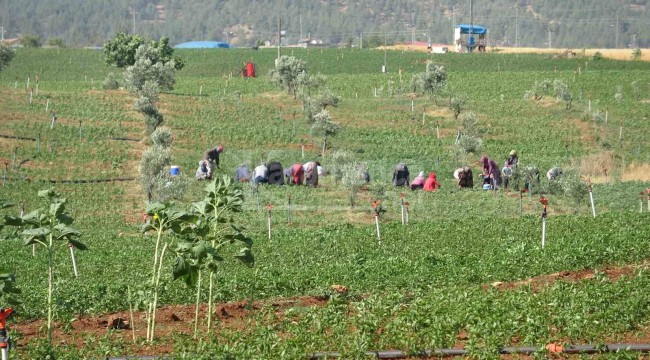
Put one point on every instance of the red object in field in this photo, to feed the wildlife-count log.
(4, 314)
(248, 70)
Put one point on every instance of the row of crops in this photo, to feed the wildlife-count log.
(426, 282)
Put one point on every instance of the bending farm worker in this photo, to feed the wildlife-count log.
(491, 169)
(465, 177)
(431, 184)
(242, 174)
(212, 155)
(513, 159)
(401, 175)
(204, 172)
(297, 174)
(311, 173)
(554, 173)
(261, 174)
(418, 182)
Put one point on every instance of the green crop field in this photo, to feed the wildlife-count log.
(467, 271)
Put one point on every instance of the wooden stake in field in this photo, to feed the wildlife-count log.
(406, 205)
(47, 105)
(521, 202)
(376, 207)
(80, 127)
(648, 191)
(4, 176)
(402, 195)
(268, 218)
(591, 197)
(437, 129)
(641, 202)
(544, 202)
(74, 261)
(289, 209)
(53, 120)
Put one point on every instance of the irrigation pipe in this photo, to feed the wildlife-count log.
(528, 350)
(17, 137)
(34, 139)
(79, 181)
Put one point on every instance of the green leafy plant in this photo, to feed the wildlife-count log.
(8, 287)
(162, 218)
(214, 230)
(48, 226)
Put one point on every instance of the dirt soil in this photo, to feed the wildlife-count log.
(171, 320)
(617, 54)
(175, 319)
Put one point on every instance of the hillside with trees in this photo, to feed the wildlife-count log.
(531, 23)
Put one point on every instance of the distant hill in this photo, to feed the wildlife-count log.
(532, 23)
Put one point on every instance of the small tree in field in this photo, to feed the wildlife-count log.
(6, 55)
(457, 104)
(156, 183)
(325, 127)
(431, 81)
(353, 178)
(121, 51)
(147, 68)
(286, 73)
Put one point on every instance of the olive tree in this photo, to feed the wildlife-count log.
(6, 55)
(147, 68)
(155, 181)
(325, 127)
(431, 81)
(287, 72)
(121, 50)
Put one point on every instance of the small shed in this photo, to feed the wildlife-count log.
(476, 38)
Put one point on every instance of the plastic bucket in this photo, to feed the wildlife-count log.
(487, 187)
(174, 170)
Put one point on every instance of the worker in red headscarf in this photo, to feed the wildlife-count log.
(431, 184)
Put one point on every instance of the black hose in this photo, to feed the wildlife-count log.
(81, 181)
(17, 137)
(123, 139)
(34, 139)
(526, 350)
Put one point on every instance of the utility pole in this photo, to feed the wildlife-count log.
(279, 36)
(413, 36)
(516, 25)
(2, 30)
(300, 21)
(616, 45)
(361, 41)
(549, 38)
(384, 69)
(133, 13)
(453, 15)
(471, 22)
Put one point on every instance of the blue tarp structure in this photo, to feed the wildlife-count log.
(203, 45)
(476, 29)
